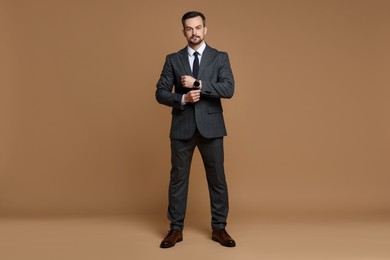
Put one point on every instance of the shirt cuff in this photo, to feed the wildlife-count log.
(182, 100)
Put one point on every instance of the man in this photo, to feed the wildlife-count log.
(201, 76)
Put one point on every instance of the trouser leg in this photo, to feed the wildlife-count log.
(181, 157)
(213, 159)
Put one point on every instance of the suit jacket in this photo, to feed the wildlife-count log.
(217, 82)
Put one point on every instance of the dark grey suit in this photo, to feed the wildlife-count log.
(199, 125)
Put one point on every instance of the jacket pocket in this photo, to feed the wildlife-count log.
(215, 109)
(176, 111)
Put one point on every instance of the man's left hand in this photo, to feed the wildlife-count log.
(187, 81)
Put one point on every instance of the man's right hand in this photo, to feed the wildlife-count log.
(192, 96)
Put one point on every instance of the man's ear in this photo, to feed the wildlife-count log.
(205, 30)
(184, 33)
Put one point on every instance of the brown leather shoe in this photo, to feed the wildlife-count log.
(222, 237)
(171, 239)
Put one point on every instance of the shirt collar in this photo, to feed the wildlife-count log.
(200, 50)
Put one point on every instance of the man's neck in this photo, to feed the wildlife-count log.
(196, 46)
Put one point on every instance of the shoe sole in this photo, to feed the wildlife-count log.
(226, 245)
(169, 246)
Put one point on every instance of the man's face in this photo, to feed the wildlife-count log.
(194, 31)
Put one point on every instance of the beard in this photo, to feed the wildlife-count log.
(195, 40)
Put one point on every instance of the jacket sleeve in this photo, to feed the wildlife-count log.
(224, 87)
(164, 94)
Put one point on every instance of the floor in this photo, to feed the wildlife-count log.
(119, 238)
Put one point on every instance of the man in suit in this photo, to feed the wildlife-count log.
(201, 76)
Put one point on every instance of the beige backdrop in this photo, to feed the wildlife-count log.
(81, 132)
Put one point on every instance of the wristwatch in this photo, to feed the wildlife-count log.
(196, 83)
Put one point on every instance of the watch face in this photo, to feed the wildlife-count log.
(196, 83)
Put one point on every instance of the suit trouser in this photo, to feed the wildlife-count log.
(212, 154)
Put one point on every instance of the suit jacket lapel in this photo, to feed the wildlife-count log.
(207, 57)
(185, 61)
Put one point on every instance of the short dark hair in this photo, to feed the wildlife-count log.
(193, 14)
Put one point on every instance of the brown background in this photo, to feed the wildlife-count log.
(81, 132)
